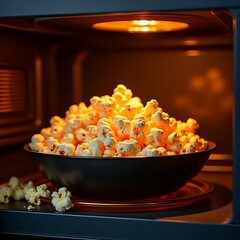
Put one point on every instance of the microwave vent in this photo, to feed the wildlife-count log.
(12, 90)
(18, 117)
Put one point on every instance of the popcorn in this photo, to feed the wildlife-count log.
(109, 144)
(81, 134)
(65, 149)
(160, 120)
(105, 132)
(104, 105)
(37, 142)
(192, 125)
(52, 144)
(44, 150)
(187, 148)
(122, 125)
(173, 142)
(127, 148)
(5, 194)
(73, 109)
(56, 131)
(77, 121)
(123, 90)
(43, 190)
(91, 119)
(139, 127)
(150, 151)
(202, 144)
(121, 99)
(150, 108)
(61, 200)
(105, 121)
(71, 119)
(92, 132)
(57, 121)
(155, 138)
(81, 149)
(31, 207)
(69, 138)
(33, 195)
(131, 109)
(82, 108)
(45, 132)
(162, 151)
(95, 147)
(17, 188)
(111, 126)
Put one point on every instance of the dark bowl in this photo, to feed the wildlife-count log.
(121, 178)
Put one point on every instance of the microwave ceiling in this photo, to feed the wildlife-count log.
(198, 21)
(185, 24)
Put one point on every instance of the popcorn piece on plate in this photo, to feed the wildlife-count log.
(61, 200)
(34, 194)
(43, 190)
(17, 188)
(5, 194)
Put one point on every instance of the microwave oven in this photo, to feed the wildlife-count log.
(57, 53)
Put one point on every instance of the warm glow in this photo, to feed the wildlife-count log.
(191, 42)
(141, 26)
(193, 53)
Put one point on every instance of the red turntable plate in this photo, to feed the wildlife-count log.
(192, 192)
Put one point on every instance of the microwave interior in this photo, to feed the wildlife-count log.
(49, 63)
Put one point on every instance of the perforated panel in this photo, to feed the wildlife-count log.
(12, 90)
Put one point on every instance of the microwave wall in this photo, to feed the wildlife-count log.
(43, 73)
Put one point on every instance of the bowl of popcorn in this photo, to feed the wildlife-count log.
(117, 148)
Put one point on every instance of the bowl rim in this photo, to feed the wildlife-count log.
(211, 146)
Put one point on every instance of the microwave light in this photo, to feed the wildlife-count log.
(135, 26)
(191, 42)
(193, 53)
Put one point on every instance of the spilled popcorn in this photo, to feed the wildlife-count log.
(61, 200)
(33, 195)
(17, 190)
(118, 126)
